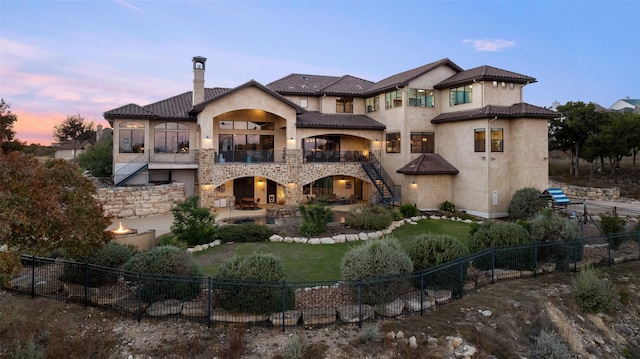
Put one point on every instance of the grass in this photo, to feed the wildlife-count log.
(305, 262)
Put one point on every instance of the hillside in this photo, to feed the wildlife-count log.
(500, 320)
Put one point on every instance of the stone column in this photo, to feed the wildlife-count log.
(205, 176)
(293, 190)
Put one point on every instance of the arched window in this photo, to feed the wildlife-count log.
(131, 137)
(171, 137)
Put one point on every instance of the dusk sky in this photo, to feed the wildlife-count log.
(60, 58)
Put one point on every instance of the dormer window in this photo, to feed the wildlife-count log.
(393, 99)
(460, 95)
(344, 104)
(420, 97)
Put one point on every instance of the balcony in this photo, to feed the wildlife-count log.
(173, 157)
(250, 156)
(334, 156)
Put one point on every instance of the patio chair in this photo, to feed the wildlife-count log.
(348, 156)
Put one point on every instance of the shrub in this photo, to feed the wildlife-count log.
(447, 206)
(262, 290)
(314, 219)
(112, 255)
(30, 350)
(377, 258)
(9, 266)
(165, 262)
(500, 234)
(372, 216)
(612, 225)
(171, 240)
(593, 292)
(193, 224)
(296, 347)
(409, 210)
(245, 232)
(370, 334)
(558, 237)
(525, 204)
(432, 250)
(549, 345)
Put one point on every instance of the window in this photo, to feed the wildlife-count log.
(372, 104)
(460, 95)
(479, 140)
(131, 137)
(304, 103)
(239, 148)
(393, 142)
(344, 104)
(422, 142)
(246, 125)
(393, 99)
(171, 137)
(497, 140)
(420, 97)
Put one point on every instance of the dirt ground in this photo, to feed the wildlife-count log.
(499, 320)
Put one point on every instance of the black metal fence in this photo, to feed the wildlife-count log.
(285, 304)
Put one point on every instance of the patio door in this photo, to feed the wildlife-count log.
(243, 187)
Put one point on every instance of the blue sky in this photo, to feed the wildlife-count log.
(60, 58)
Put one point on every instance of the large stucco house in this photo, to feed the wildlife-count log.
(427, 135)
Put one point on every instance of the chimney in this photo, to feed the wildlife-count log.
(198, 79)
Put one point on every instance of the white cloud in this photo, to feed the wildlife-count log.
(128, 5)
(494, 45)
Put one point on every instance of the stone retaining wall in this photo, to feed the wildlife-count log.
(590, 193)
(140, 201)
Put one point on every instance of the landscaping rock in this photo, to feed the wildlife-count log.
(318, 316)
(390, 309)
(327, 240)
(42, 285)
(351, 313)
(363, 236)
(220, 315)
(291, 317)
(194, 309)
(167, 307)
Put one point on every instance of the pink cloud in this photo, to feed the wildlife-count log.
(37, 127)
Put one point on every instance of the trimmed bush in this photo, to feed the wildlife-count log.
(409, 210)
(372, 216)
(193, 224)
(112, 256)
(593, 292)
(314, 219)
(431, 250)
(558, 238)
(253, 284)
(549, 345)
(447, 206)
(500, 234)
(611, 226)
(178, 275)
(245, 232)
(525, 204)
(374, 259)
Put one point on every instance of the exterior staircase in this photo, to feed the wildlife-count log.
(131, 169)
(389, 192)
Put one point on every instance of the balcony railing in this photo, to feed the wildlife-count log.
(250, 156)
(173, 157)
(334, 156)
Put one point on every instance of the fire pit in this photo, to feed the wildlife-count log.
(130, 236)
(122, 230)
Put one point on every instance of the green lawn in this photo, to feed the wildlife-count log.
(305, 262)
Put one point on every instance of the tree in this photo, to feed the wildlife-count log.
(570, 132)
(74, 129)
(98, 158)
(8, 142)
(48, 206)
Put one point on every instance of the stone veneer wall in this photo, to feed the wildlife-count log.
(292, 174)
(140, 201)
(590, 193)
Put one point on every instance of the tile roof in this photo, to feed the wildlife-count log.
(176, 107)
(298, 84)
(403, 78)
(253, 83)
(428, 164)
(338, 120)
(484, 73)
(519, 110)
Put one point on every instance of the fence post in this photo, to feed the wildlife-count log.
(422, 292)
(575, 256)
(209, 302)
(33, 276)
(609, 260)
(139, 297)
(639, 245)
(284, 302)
(86, 282)
(493, 263)
(360, 302)
(535, 260)
(461, 286)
